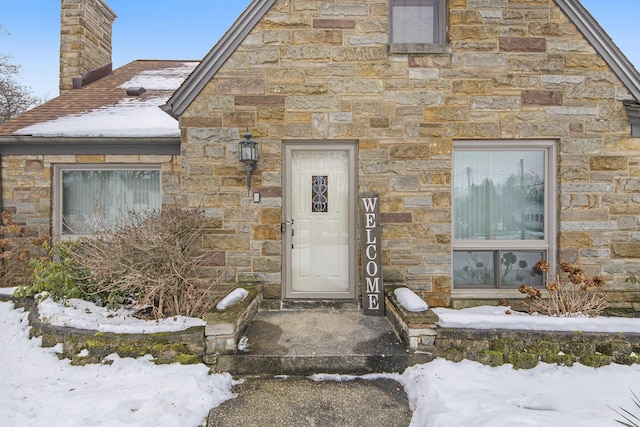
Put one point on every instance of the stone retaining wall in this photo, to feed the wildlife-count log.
(416, 330)
(224, 328)
(520, 348)
(524, 349)
(184, 347)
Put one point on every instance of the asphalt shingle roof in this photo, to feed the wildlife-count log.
(162, 78)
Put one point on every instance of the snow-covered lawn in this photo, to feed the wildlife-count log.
(37, 389)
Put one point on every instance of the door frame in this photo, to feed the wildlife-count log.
(351, 146)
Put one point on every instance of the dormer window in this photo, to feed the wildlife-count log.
(417, 26)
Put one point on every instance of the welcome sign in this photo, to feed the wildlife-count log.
(371, 253)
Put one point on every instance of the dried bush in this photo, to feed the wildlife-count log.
(570, 295)
(154, 259)
(16, 250)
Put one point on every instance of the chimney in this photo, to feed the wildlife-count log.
(85, 41)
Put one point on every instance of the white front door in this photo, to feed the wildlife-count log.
(319, 220)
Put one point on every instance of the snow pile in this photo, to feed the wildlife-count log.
(449, 394)
(487, 317)
(234, 297)
(82, 314)
(38, 389)
(409, 300)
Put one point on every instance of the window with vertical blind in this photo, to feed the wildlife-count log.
(417, 22)
(86, 196)
(503, 212)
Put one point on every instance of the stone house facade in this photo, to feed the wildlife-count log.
(102, 122)
(505, 109)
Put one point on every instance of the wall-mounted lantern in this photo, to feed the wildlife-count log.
(248, 156)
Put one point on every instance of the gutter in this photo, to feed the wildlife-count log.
(39, 145)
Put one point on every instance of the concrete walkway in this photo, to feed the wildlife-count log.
(284, 347)
(301, 402)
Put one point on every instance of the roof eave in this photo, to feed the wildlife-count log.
(44, 145)
(217, 56)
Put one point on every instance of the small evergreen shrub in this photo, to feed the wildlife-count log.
(59, 276)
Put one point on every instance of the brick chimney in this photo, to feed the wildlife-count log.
(85, 41)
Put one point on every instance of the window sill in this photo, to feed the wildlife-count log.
(420, 48)
(486, 294)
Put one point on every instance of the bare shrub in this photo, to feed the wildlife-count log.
(154, 259)
(569, 295)
(16, 250)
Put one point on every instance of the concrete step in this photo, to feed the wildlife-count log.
(304, 342)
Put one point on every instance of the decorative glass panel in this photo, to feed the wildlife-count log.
(474, 268)
(320, 193)
(477, 269)
(518, 268)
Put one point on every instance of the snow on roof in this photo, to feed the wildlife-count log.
(129, 117)
(167, 79)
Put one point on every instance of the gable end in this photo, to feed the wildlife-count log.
(602, 43)
(216, 57)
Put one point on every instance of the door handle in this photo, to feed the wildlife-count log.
(283, 225)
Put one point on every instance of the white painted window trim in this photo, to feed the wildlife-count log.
(58, 169)
(549, 244)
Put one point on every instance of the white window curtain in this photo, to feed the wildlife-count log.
(502, 197)
(105, 198)
(499, 195)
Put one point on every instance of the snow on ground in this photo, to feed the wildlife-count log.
(447, 394)
(82, 314)
(487, 317)
(37, 389)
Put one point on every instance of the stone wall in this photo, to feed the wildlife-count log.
(83, 346)
(27, 184)
(320, 70)
(85, 38)
(524, 349)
